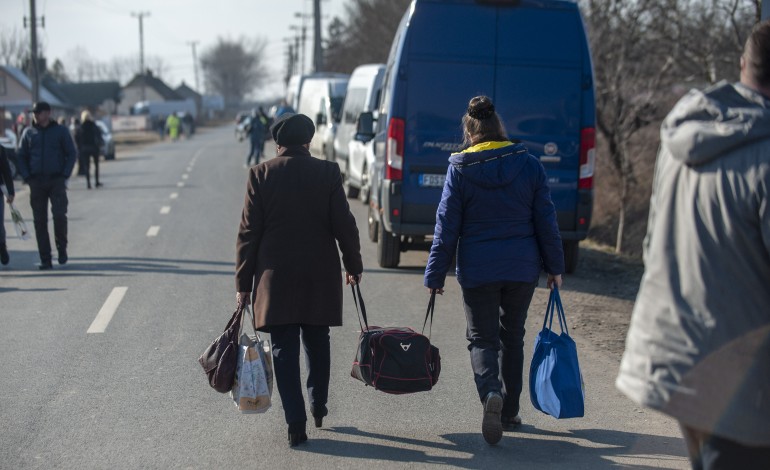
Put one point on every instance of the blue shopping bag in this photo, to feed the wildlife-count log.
(555, 383)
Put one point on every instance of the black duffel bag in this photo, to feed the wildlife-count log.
(220, 359)
(395, 359)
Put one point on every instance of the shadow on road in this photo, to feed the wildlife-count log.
(111, 266)
(528, 448)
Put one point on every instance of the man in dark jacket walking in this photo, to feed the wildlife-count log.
(46, 157)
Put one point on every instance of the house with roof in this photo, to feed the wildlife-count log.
(188, 93)
(100, 98)
(16, 93)
(146, 87)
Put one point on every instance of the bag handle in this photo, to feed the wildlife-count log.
(555, 305)
(429, 312)
(358, 299)
(251, 316)
(237, 317)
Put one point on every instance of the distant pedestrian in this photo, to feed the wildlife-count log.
(698, 348)
(89, 142)
(188, 124)
(256, 130)
(6, 180)
(497, 217)
(288, 267)
(45, 160)
(22, 122)
(172, 124)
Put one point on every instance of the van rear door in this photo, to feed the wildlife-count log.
(449, 58)
(539, 92)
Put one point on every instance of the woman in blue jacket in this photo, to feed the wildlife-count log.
(497, 216)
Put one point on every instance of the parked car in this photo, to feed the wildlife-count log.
(350, 146)
(320, 98)
(542, 87)
(108, 143)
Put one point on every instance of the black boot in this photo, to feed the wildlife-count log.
(297, 434)
(4, 258)
(318, 413)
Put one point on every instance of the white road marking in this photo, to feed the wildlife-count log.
(189, 169)
(165, 209)
(174, 195)
(108, 310)
(185, 176)
(180, 184)
(153, 231)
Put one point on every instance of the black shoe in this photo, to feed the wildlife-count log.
(45, 266)
(318, 414)
(4, 258)
(63, 256)
(99, 185)
(491, 426)
(511, 422)
(297, 438)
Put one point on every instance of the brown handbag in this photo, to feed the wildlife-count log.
(220, 359)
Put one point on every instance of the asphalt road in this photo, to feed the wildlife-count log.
(157, 245)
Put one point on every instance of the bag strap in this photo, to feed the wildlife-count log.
(251, 316)
(429, 312)
(555, 306)
(236, 320)
(358, 299)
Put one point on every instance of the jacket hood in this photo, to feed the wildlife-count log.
(705, 125)
(491, 164)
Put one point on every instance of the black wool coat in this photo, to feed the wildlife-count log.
(294, 216)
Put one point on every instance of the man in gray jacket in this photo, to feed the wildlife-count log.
(698, 348)
(46, 157)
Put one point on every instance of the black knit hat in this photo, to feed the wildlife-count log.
(40, 106)
(292, 129)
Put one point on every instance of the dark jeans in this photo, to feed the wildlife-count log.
(86, 154)
(708, 452)
(255, 151)
(496, 314)
(285, 340)
(43, 189)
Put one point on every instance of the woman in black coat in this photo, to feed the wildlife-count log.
(294, 217)
(89, 141)
(6, 180)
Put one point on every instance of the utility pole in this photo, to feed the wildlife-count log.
(195, 64)
(141, 16)
(33, 49)
(317, 54)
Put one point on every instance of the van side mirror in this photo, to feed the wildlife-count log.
(364, 127)
(320, 119)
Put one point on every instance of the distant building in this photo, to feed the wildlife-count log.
(100, 98)
(154, 90)
(188, 93)
(16, 93)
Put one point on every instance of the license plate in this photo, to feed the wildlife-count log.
(432, 181)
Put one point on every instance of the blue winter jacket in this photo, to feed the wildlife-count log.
(496, 213)
(46, 151)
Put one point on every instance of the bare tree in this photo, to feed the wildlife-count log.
(13, 47)
(632, 70)
(365, 35)
(234, 68)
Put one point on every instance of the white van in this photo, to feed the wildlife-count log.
(321, 100)
(349, 148)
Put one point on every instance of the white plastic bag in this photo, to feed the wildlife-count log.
(253, 386)
(18, 223)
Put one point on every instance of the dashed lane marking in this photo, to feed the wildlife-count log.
(185, 176)
(108, 310)
(153, 231)
(174, 195)
(180, 184)
(165, 209)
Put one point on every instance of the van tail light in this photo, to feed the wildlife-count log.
(587, 158)
(394, 150)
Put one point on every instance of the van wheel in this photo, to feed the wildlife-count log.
(363, 194)
(388, 249)
(571, 251)
(373, 226)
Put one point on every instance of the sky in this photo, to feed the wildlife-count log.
(106, 29)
